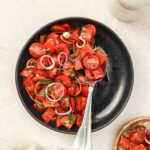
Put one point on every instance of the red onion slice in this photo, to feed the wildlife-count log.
(79, 86)
(147, 141)
(53, 62)
(65, 113)
(61, 53)
(64, 40)
(30, 63)
(46, 91)
(80, 46)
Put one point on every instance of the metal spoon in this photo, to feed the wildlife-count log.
(83, 140)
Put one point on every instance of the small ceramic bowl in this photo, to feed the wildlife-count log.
(125, 129)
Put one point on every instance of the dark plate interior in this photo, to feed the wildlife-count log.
(110, 94)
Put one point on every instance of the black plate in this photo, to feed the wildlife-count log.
(110, 95)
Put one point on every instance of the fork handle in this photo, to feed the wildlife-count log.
(83, 137)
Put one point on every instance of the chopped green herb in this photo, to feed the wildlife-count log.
(121, 145)
(99, 54)
(74, 50)
(57, 87)
(49, 89)
(39, 105)
(87, 80)
(30, 71)
(76, 98)
(49, 81)
(51, 39)
(72, 66)
(28, 84)
(66, 123)
(42, 95)
(52, 104)
(37, 75)
(70, 48)
(61, 99)
(61, 80)
(66, 34)
(59, 50)
(72, 60)
(46, 49)
(33, 93)
(55, 29)
(24, 78)
(66, 70)
(83, 29)
(42, 80)
(66, 99)
(70, 117)
(72, 74)
(136, 127)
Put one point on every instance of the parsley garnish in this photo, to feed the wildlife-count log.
(42, 95)
(66, 123)
(39, 105)
(76, 98)
(136, 127)
(24, 78)
(99, 54)
(37, 75)
(55, 29)
(66, 99)
(72, 66)
(121, 145)
(72, 60)
(72, 74)
(59, 50)
(61, 80)
(70, 117)
(49, 89)
(83, 29)
(42, 80)
(33, 93)
(46, 49)
(52, 104)
(70, 48)
(30, 71)
(51, 39)
(74, 50)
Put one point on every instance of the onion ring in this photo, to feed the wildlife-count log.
(34, 99)
(30, 62)
(79, 86)
(65, 41)
(65, 113)
(46, 91)
(53, 62)
(147, 141)
(65, 60)
(80, 46)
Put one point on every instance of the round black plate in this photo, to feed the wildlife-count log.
(110, 94)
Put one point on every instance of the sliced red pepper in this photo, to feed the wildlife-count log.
(50, 104)
(29, 84)
(65, 80)
(36, 50)
(73, 104)
(124, 142)
(98, 73)
(86, 50)
(62, 47)
(48, 115)
(28, 73)
(78, 64)
(43, 38)
(84, 90)
(140, 147)
(58, 27)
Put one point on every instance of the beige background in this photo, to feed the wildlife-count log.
(19, 19)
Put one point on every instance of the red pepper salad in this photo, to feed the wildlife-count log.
(63, 64)
(138, 138)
